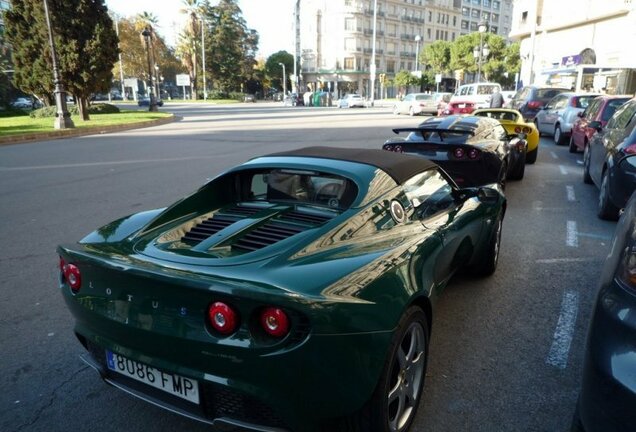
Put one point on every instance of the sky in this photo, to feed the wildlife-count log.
(272, 19)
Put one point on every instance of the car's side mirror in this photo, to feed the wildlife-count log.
(580, 114)
(488, 195)
(595, 125)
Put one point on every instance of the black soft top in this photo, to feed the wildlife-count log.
(400, 167)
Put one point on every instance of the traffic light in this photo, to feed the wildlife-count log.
(382, 78)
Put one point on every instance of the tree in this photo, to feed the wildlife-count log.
(437, 56)
(188, 47)
(274, 71)
(404, 79)
(462, 56)
(230, 53)
(85, 42)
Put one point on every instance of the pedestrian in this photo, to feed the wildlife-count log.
(496, 100)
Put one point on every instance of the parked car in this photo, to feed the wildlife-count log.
(22, 103)
(145, 101)
(458, 107)
(476, 93)
(249, 97)
(507, 95)
(530, 99)
(351, 100)
(600, 110)
(420, 103)
(513, 122)
(608, 391)
(608, 160)
(474, 151)
(290, 292)
(559, 114)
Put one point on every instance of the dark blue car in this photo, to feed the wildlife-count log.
(146, 102)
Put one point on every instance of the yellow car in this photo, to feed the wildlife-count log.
(512, 121)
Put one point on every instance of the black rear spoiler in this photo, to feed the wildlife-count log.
(440, 132)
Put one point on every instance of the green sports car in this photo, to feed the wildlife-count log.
(293, 292)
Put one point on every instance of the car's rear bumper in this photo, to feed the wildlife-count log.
(608, 395)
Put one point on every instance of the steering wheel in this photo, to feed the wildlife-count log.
(327, 191)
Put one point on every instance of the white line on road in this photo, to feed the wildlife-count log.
(580, 162)
(554, 155)
(95, 164)
(570, 191)
(563, 170)
(572, 238)
(595, 236)
(564, 260)
(558, 355)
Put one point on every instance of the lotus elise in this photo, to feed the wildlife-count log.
(293, 292)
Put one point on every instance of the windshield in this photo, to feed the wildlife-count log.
(611, 108)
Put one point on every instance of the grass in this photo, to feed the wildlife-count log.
(23, 124)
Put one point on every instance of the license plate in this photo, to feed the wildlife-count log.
(176, 385)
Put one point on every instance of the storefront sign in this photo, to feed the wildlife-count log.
(571, 60)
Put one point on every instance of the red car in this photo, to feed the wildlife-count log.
(598, 111)
(459, 107)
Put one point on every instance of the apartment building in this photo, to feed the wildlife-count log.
(336, 37)
(496, 13)
(583, 44)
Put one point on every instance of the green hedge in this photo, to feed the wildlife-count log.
(100, 108)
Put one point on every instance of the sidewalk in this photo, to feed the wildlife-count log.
(70, 133)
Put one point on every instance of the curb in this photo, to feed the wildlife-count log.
(71, 133)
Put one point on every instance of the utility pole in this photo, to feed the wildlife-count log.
(372, 67)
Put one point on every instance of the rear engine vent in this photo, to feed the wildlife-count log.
(285, 226)
(216, 223)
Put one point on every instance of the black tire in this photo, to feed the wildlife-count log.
(572, 147)
(486, 263)
(587, 178)
(536, 125)
(558, 135)
(606, 210)
(531, 156)
(519, 169)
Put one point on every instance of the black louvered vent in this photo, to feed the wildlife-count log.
(216, 223)
(279, 229)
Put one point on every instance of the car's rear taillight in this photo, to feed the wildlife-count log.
(630, 149)
(473, 154)
(459, 153)
(72, 276)
(393, 147)
(274, 321)
(574, 102)
(535, 104)
(222, 318)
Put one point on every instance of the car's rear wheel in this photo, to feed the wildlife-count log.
(587, 178)
(486, 263)
(606, 210)
(536, 125)
(558, 135)
(395, 400)
(572, 146)
(531, 156)
(519, 169)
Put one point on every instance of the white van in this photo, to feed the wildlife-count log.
(478, 93)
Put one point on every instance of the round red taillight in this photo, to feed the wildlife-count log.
(72, 276)
(275, 322)
(526, 130)
(517, 129)
(222, 318)
(459, 153)
(398, 149)
(473, 153)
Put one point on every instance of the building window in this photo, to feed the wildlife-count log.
(477, 2)
(428, 31)
(454, 21)
(465, 11)
(474, 13)
(430, 16)
(464, 25)
(350, 24)
(349, 63)
(453, 36)
(473, 26)
(524, 17)
(486, 3)
(493, 29)
(496, 4)
(494, 17)
(350, 44)
(485, 16)
(390, 66)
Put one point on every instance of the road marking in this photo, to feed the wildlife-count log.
(564, 260)
(580, 162)
(558, 355)
(563, 170)
(570, 191)
(595, 236)
(554, 155)
(94, 164)
(572, 238)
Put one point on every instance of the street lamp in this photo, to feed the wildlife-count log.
(62, 116)
(152, 105)
(482, 50)
(418, 38)
(284, 82)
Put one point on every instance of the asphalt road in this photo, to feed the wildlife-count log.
(505, 352)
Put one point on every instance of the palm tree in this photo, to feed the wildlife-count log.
(189, 40)
(148, 21)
